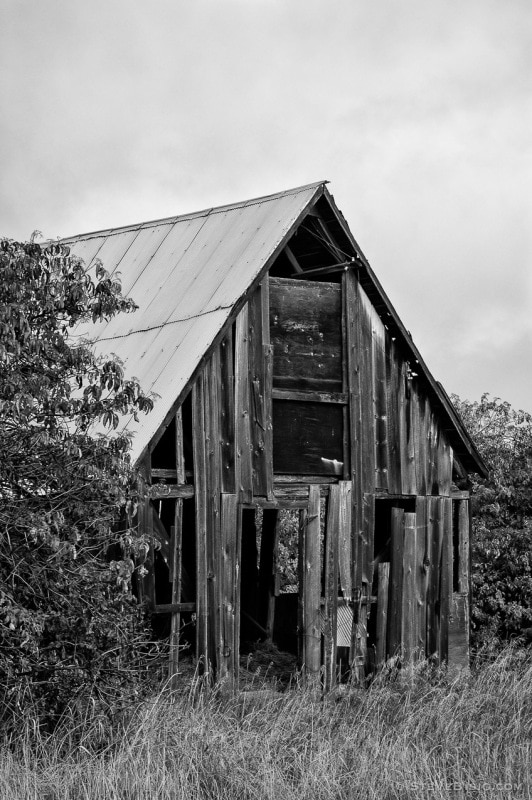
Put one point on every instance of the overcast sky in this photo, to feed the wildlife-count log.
(418, 112)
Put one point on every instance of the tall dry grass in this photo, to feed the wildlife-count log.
(418, 736)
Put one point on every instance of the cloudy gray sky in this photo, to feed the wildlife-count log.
(419, 113)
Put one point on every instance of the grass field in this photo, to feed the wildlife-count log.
(421, 736)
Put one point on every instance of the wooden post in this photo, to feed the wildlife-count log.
(200, 487)
(383, 576)
(434, 608)
(330, 609)
(396, 583)
(463, 545)
(409, 609)
(446, 583)
(176, 573)
(311, 585)
(230, 579)
(244, 476)
(422, 574)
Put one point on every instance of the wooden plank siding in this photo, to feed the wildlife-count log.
(373, 414)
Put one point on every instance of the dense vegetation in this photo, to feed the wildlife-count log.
(502, 520)
(69, 628)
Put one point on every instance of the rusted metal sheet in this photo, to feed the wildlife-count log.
(186, 274)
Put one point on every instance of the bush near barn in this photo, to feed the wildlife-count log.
(69, 626)
(502, 519)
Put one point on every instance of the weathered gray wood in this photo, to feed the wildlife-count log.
(176, 572)
(392, 411)
(344, 546)
(383, 580)
(379, 403)
(311, 586)
(200, 485)
(230, 595)
(446, 581)
(310, 396)
(365, 479)
(212, 411)
(422, 573)
(306, 334)
(433, 599)
(179, 448)
(463, 545)
(163, 491)
(243, 465)
(174, 608)
(458, 646)
(408, 605)
(227, 411)
(396, 583)
(330, 609)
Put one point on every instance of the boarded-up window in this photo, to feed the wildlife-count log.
(307, 438)
(306, 334)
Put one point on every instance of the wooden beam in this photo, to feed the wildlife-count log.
(310, 397)
(293, 260)
(164, 491)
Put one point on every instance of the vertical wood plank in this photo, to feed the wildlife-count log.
(230, 579)
(352, 323)
(344, 545)
(463, 545)
(446, 582)
(411, 428)
(331, 585)
(409, 615)
(422, 573)
(369, 534)
(311, 585)
(176, 572)
(179, 447)
(227, 402)
(213, 437)
(243, 465)
(383, 581)
(392, 410)
(403, 427)
(380, 406)
(433, 602)
(260, 370)
(200, 498)
(366, 476)
(396, 583)
(458, 647)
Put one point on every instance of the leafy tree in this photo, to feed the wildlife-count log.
(502, 518)
(68, 621)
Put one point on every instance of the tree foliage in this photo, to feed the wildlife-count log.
(67, 616)
(502, 518)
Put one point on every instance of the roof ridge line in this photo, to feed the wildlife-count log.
(190, 215)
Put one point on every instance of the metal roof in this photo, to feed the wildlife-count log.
(186, 274)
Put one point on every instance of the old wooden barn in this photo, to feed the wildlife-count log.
(303, 474)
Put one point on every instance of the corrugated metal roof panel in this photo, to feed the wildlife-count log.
(186, 274)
